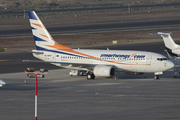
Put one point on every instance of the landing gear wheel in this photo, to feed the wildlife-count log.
(90, 76)
(156, 77)
(93, 76)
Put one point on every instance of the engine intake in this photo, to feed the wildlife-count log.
(106, 71)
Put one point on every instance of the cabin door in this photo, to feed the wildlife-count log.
(53, 57)
(148, 60)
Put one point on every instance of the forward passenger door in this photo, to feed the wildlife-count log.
(148, 60)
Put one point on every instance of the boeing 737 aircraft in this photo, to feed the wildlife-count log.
(172, 47)
(95, 62)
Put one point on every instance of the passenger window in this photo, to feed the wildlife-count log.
(161, 59)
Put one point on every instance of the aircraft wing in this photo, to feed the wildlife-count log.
(78, 66)
(65, 64)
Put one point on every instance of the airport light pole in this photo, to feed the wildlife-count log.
(30, 72)
(24, 13)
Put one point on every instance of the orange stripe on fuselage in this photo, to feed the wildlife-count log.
(67, 49)
(124, 63)
(72, 51)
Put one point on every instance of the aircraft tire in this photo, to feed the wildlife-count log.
(93, 76)
(90, 76)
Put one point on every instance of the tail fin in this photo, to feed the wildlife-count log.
(42, 38)
(168, 41)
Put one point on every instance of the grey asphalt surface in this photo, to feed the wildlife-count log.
(109, 26)
(75, 98)
(131, 97)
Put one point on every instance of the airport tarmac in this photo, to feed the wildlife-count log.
(75, 98)
(131, 97)
(94, 27)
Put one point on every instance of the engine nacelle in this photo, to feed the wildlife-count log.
(106, 71)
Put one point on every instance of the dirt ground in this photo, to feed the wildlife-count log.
(93, 38)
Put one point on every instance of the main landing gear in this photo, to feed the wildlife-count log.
(90, 76)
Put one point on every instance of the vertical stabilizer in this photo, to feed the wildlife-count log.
(42, 38)
(168, 41)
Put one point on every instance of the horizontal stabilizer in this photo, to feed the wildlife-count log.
(160, 33)
(39, 61)
(30, 51)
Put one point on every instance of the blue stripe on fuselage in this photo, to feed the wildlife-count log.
(40, 48)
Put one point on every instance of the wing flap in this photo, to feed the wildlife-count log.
(65, 64)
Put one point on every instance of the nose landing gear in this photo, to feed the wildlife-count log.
(156, 77)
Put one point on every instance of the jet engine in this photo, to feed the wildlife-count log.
(106, 71)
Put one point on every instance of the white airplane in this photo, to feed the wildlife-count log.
(173, 48)
(2, 83)
(95, 62)
(173, 52)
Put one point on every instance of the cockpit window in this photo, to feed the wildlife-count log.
(161, 59)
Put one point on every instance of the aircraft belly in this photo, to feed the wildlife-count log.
(134, 68)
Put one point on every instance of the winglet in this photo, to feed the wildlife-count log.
(161, 33)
